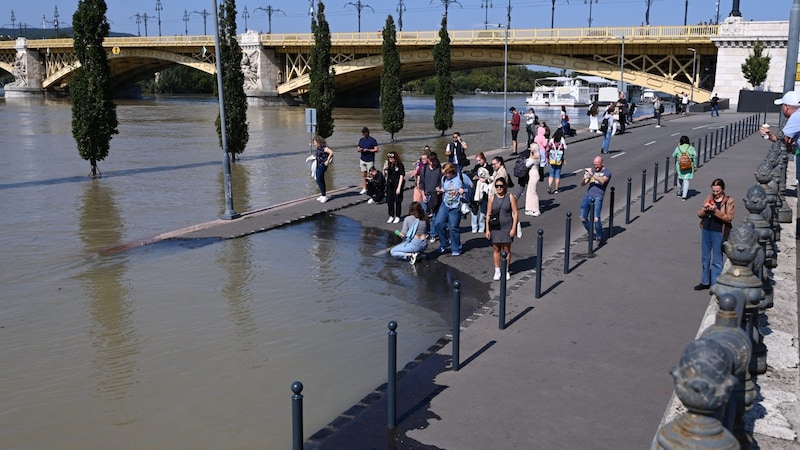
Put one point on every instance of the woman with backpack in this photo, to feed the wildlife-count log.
(685, 163)
(556, 148)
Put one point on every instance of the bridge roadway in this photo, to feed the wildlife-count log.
(655, 56)
(586, 365)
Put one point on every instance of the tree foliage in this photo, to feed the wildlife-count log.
(321, 91)
(94, 114)
(392, 113)
(443, 115)
(487, 79)
(756, 66)
(181, 79)
(236, 127)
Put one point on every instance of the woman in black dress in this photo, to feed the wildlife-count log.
(503, 205)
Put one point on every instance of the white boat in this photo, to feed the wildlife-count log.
(567, 91)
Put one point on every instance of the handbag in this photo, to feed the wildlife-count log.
(494, 220)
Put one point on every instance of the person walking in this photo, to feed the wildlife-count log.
(716, 215)
(608, 118)
(481, 179)
(367, 148)
(414, 234)
(531, 123)
(514, 122)
(456, 152)
(454, 186)
(715, 105)
(597, 177)
(501, 225)
(658, 109)
(395, 181)
(622, 112)
(431, 180)
(324, 156)
(556, 148)
(419, 167)
(532, 159)
(685, 163)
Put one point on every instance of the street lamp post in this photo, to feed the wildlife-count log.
(622, 66)
(185, 22)
(647, 13)
(138, 23)
(205, 15)
(694, 75)
(590, 10)
(505, 76)
(55, 20)
(358, 6)
(685, 12)
(245, 16)
(269, 10)
(401, 8)
(486, 4)
(229, 213)
(13, 21)
(159, 8)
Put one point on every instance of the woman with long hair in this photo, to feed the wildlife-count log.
(414, 234)
(716, 216)
(395, 176)
(481, 179)
(501, 231)
(324, 156)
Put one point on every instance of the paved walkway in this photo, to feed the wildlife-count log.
(583, 367)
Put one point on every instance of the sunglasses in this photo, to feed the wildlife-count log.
(499, 185)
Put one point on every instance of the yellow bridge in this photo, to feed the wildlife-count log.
(657, 57)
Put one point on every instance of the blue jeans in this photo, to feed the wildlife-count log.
(478, 221)
(714, 110)
(414, 246)
(607, 138)
(711, 256)
(448, 218)
(598, 206)
(321, 168)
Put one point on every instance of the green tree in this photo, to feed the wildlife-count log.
(392, 113)
(94, 114)
(756, 66)
(180, 79)
(236, 127)
(443, 116)
(321, 91)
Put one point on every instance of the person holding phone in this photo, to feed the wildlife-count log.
(716, 216)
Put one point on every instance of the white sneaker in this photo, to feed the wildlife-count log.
(496, 274)
(390, 219)
(363, 191)
(319, 198)
(508, 276)
(371, 201)
(528, 212)
(323, 199)
(413, 258)
(658, 126)
(396, 220)
(537, 213)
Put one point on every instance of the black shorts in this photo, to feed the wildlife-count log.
(514, 134)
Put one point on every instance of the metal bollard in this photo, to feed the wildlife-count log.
(666, 174)
(297, 416)
(391, 384)
(727, 138)
(503, 286)
(716, 143)
(539, 246)
(655, 182)
(566, 242)
(644, 187)
(611, 212)
(628, 203)
(705, 147)
(591, 226)
(456, 324)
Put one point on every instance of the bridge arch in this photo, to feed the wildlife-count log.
(132, 64)
(365, 72)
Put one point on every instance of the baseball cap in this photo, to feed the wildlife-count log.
(791, 98)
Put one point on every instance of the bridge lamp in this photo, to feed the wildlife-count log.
(185, 22)
(159, 8)
(590, 10)
(622, 66)
(694, 75)
(486, 4)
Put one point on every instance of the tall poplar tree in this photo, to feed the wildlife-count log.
(443, 116)
(321, 92)
(94, 114)
(392, 113)
(236, 127)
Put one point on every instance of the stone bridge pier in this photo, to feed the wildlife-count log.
(28, 71)
(261, 70)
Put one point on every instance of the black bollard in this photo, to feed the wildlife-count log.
(675, 177)
(705, 147)
(644, 187)
(666, 174)
(391, 384)
(716, 143)
(456, 324)
(591, 227)
(503, 285)
(628, 203)
(566, 242)
(297, 416)
(539, 245)
(727, 138)
(611, 212)
(655, 182)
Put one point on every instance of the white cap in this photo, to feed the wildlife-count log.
(791, 98)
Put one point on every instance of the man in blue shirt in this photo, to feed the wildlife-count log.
(367, 147)
(597, 178)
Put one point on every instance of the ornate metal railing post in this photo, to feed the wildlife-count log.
(703, 382)
(784, 212)
(745, 253)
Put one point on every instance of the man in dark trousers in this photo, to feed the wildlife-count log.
(514, 122)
